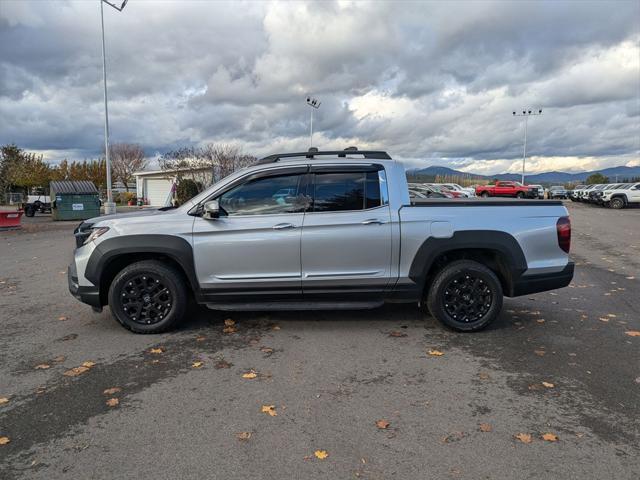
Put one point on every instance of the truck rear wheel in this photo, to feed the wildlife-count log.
(484, 194)
(465, 295)
(148, 297)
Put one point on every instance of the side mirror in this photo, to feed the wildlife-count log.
(211, 210)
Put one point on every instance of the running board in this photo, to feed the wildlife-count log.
(262, 306)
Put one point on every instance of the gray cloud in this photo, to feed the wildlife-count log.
(430, 82)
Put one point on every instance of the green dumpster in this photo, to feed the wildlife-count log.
(74, 200)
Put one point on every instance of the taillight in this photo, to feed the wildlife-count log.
(563, 228)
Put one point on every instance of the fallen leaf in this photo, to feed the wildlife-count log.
(540, 320)
(550, 437)
(633, 333)
(59, 359)
(524, 437)
(75, 371)
(156, 351)
(630, 278)
(222, 364)
(435, 353)
(396, 333)
(548, 384)
(112, 402)
(267, 350)
(42, 366)
(275, 327)
(112, 390)
(484, 376)
(228, 322)
(321, 454)
(196, 364)
(382, 424)
(4, 440)
(243, 436)
(270, 409)
(88, 364)
(62, 318)
(611, 315)
(454, 437)
(230, 329)
(540, 353)
(3, 400)
(485, 427)
(200, 338)
(249, 375)
(603, 319)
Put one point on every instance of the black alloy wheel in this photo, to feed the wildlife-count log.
(467, 297)
(145, 299)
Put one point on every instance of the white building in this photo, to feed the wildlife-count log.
(156, 186)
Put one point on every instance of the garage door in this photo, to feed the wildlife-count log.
(158, 191)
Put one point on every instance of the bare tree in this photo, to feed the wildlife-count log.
(126, 158)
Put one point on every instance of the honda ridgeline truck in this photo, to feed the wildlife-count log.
(320, 230)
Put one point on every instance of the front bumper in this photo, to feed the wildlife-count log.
(527, 284)
(88, 295)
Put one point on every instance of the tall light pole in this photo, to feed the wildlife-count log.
(109, 206)
(526, 114)
(314, 104)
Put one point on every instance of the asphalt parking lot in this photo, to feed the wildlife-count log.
(561, 365)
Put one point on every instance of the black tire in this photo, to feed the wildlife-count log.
(148, 297)
(616, 203)
(478, 283)
(520, 195)
(484, 194)
(29, 211)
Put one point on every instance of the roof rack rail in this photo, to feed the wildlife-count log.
(314, 152)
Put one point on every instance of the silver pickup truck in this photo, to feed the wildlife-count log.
(320, 230)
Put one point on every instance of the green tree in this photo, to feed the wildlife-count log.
(186, 190)
(597, 178)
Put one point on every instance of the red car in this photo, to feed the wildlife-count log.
(507, 189)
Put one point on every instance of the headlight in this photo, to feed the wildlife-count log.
(95, 233)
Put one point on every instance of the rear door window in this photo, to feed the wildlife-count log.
(346, 191)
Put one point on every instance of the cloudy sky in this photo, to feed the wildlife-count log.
(432, 83)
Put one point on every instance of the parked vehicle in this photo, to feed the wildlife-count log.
(428, 191)
(449, 193)
(582, 192)
(572, 194)
(507, 189)
(348, 236)
(37, 203)
(557, 192)
(467, 192)
(540, 190)
(625, 195)
(594, 194)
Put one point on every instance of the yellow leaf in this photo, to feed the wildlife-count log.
(197, 364)
(4, 440)
(229, 329)
(485, 427)
(3, 400)
(524, 437)
(249, 375)
(62, 318)
(111, 391)
(42, 366)
(156, 351)
(548, 384)
(229, 323)
(88, 364)
(243, 435)
(321, 454)
(382, 424)
(112, 402)
(633, 333)
(540, 353)
(267, 350)
(270, 409)
(550, 437)
(74, 372)
(435, 353)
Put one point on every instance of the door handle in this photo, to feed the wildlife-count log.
(372, 221)
(283, 226)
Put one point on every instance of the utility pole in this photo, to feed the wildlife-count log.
(526, 114)
(314, 104)
(109, 206)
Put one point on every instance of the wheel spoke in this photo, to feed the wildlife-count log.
(467, 298)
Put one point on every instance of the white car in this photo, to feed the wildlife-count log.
(623, 196)
(469, 192)
(540, 190)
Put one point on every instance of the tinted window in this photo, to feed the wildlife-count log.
(338, 191)
(262, 196)
(372, 190)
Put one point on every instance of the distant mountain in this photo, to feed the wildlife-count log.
(541, 178)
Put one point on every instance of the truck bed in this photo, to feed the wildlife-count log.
(482, 202)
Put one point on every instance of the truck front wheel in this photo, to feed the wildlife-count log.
(465, 295)
(148, 297)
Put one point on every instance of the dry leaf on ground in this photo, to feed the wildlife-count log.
(270, 409)
(382, 424)
(157, 351)
(229, 322)
(321, 454)
(275, 327)
(484, 376)
(222, 364)
(524, 437)
(249, 375)
(548, 384)
(200, 338)
(42, 366)
(243, 435)
(485, 427)
(540, 353)
(112, 402)
(197, 364)
(88, 364)
(603, 319)
(62, 318)
(550, 437)
(59, 359)
(396, 333)
(75, 371)
(111, 391)
(3, 400)
(229, 329)
(267, 350)
(633, 333)
(4, 440)
(435, 353)
(611, 315)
